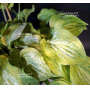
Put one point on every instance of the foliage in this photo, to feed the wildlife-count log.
(29, 56)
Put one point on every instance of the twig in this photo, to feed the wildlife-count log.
(8, 12)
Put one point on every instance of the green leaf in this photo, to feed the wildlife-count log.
(20, 16)
(80, 74)
(2, 24)
(34, 58)
(63, 47)
(4, 27)
(46, 82)
(23, 14)
(18, 45)
(66, 72)
(53, 61)
(45, 15)
(26, 12)
(7, 25)
(9, 5)
(3, 61)
(15, 59)
(12, 33)
(30, 29)
(13, 10)
(68, 22)
(1, 45)
(69, 45)
(11, 75)
(16, 19)
(45, 32)
(28, 39)
(31, 80)
(60, 81)
(88, 58)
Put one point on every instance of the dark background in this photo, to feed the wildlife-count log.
(83, 10)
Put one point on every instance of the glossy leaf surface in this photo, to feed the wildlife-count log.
(11, 75)
(64, 48)
(34, 58)
(29, 38)
(69, 22)
(12, 33)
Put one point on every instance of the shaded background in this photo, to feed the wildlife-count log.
(83, 10)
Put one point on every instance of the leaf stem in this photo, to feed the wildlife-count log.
(7, 11)
(18, 11)
(4, 14)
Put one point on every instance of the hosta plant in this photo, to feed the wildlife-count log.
(52, 54)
